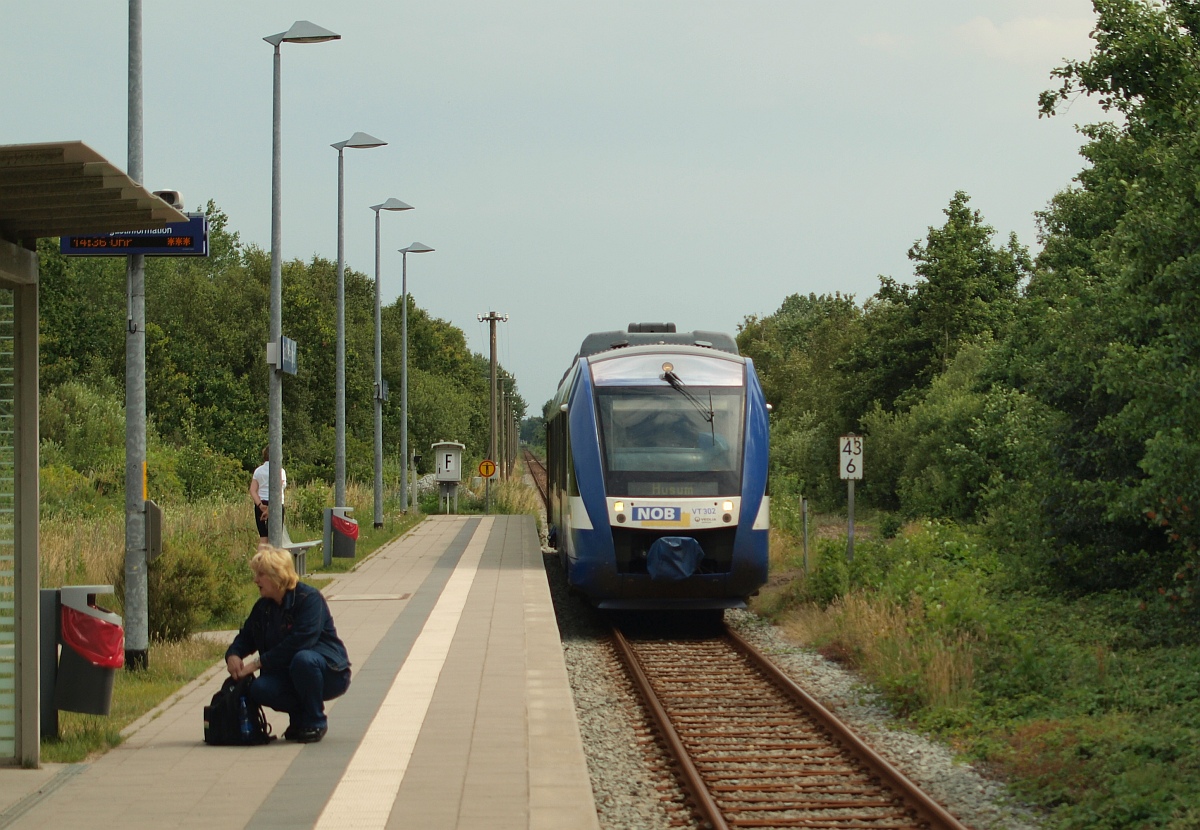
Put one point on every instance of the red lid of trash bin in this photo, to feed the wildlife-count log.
(346, 527)
(98, 641)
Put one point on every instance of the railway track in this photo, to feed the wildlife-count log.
(754, 750)
(537, 470)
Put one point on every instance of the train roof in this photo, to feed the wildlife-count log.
(655, 334)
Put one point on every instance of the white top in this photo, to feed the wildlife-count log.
(263, 476)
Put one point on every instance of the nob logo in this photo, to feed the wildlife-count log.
(656, 514)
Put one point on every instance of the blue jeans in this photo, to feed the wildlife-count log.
(302, 690)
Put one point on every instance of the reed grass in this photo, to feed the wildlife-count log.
(515, 497)
(893, 645)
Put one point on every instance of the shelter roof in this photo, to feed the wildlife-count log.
(64, 188)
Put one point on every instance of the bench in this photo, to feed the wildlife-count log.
(298, 550)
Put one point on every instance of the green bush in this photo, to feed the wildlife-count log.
(205, 472)
(87, 425)
(65, 492)
(307, 504)
(873, 561)
(949, 570)
(182, 592)
(803, 459)
(830, 581)
(889, 525)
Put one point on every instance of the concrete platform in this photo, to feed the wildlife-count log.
(459, 714)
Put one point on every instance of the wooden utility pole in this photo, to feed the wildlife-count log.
(492, 318)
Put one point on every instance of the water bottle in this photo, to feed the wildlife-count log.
(243, 718)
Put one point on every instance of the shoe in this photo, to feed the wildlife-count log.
(305, 735)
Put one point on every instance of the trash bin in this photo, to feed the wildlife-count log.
(345, 536)
(93, 648)
(341, 534)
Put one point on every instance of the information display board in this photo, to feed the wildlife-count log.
(188, 238)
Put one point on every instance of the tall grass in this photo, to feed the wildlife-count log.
(909, 613)
(514, 496)
(894, 645)
(91, 551)
(501, 496)
(80, 551)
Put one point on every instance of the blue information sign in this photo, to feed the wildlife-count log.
(287, 355)
(188, 238)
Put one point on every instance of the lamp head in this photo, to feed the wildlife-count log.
(391, 204)
(416, 248)
(302, 32)
(359, 141)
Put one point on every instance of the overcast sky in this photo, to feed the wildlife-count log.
(579, 166)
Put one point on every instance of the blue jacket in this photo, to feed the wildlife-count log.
(278, 631)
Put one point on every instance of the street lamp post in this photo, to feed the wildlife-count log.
(415, 248)
(390, 204)
(301, 32)
(361, 141)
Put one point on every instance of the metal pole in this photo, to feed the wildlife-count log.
(850, 530)
(275, 378)
(137, 625)
(339, 452)
(378, 390)
(404, 379)
(804, 526)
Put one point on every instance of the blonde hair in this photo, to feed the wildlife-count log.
(277, 566)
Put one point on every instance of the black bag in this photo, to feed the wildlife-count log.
(223, 717)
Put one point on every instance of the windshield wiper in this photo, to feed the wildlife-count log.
(676, 383)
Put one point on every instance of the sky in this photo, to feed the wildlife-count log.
(578, 166)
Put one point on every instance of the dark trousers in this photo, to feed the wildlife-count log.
(260, 522)
(302, 690)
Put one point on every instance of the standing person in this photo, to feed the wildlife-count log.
(303, 662)
(260, 493)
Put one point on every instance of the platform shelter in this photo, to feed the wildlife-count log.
(46, 190)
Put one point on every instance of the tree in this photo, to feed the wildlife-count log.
(206, 376)
(965, 288)
(1116, 298)
(796, 352)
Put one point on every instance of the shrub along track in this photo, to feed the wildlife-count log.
(754, 750)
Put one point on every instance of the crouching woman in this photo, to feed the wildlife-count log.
(303, 662)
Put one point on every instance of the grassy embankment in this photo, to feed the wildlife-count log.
(1089, 706)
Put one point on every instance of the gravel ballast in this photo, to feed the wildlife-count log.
(625, 765)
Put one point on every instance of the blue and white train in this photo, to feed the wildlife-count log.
(657, 462)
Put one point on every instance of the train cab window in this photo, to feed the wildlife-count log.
(656, 441)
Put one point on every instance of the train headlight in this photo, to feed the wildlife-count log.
(727, 506)
(619, 506)
(620, 518)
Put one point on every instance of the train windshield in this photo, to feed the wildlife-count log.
(671, 440)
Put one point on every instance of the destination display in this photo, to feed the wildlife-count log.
(188, 238)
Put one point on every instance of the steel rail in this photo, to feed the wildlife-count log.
(925, 806)
(742, 792)
(692, 781)
(537, 471)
